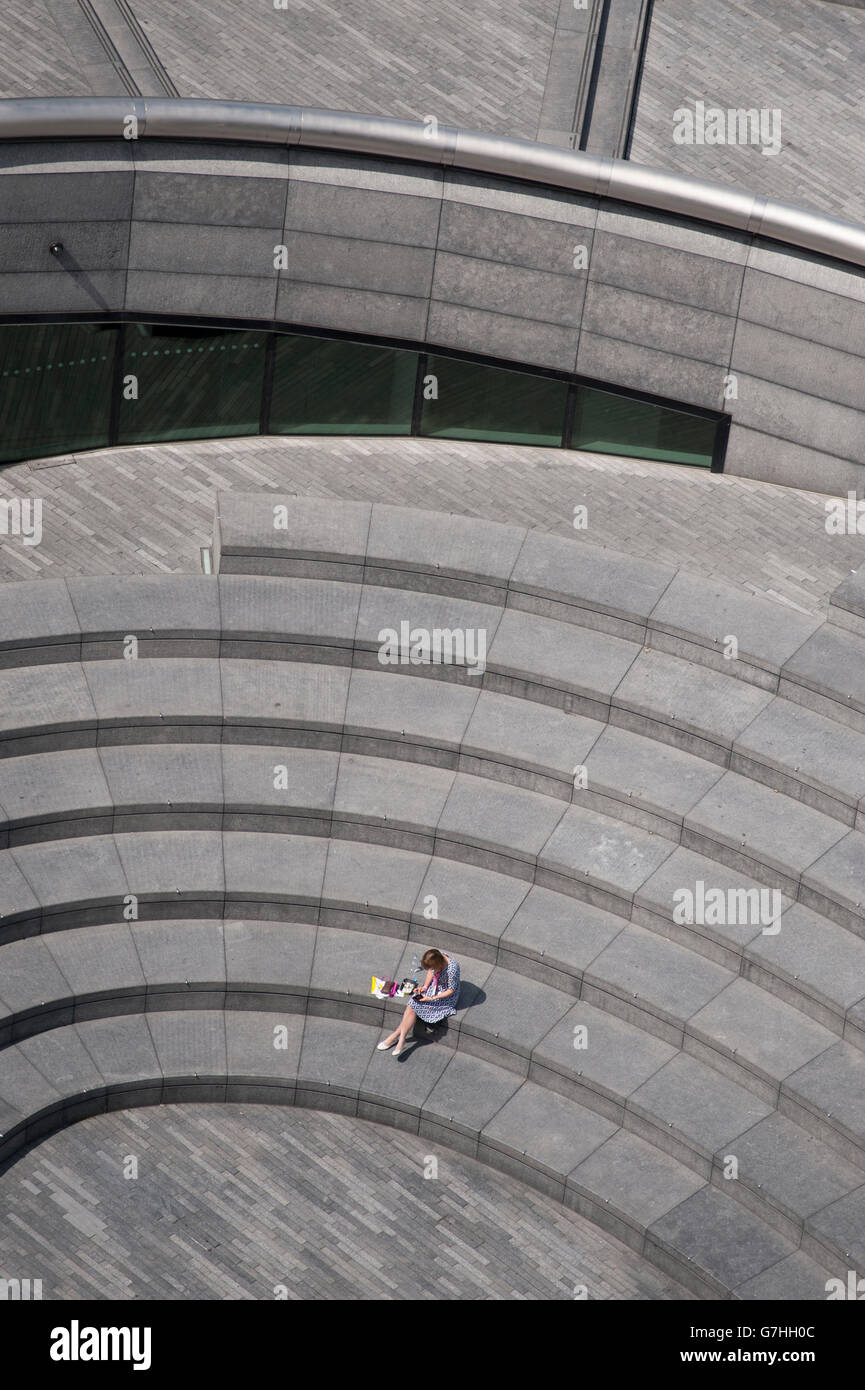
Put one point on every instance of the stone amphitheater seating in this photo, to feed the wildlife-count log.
(145, 777)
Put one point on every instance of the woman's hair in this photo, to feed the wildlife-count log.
(433, 960)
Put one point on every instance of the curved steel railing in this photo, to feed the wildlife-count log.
(60, 118)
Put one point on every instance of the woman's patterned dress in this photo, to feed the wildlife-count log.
(433, 1012)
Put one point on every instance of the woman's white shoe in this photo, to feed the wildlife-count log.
(383, 1046)
(398, 1051)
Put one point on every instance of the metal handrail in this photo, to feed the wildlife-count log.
(61, 118)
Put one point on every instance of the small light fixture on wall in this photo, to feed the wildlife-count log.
(56, 248)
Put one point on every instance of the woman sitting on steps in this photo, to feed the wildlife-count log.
(436, 999)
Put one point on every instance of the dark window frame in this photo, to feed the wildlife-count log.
(424, 349)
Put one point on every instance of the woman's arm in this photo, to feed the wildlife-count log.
(429, 998)
(446, 993)
(452, 974)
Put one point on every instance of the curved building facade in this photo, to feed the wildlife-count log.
(680, 296)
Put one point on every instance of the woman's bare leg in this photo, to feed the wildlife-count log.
(406, 1025)
(402, 1028)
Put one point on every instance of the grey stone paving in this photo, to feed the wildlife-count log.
(518, 69)
(232, 1201)
(149, 509)
(803, 57)
(36, 57)
(482, 66)
(75, 48)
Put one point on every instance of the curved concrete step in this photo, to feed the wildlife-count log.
(846, 603)
(811, 856)
(672, 611)
(467, 557)
(774, 739)
(136, 968)
(700, 771)
(629, 778)
(733, 823)
(811, 962)
(524, 1026)
(128, 788)
(657, 1206)
(742, 1032)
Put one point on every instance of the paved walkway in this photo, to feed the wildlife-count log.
(232, 1201)
(149, 509)
(36, 60)
(803, 57)
(482, 66)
